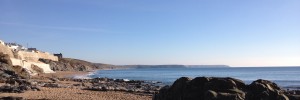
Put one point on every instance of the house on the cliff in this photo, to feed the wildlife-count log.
(20, 56)
(59, 55)
(15, 46)
(32, 50)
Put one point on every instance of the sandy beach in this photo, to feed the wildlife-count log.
(70, 92)
(76, 94)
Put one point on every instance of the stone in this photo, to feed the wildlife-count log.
(293, 97)
(37, 68)
(52, 85)
(54, 79)
(220, 84)
(210, 95)
(217, 88)
(4, 58)
(12, 98)
(121, 80)
(264, 89)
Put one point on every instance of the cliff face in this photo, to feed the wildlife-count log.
(35, 56)
(69, 64)
(6, 50)
(26, 60)
(7, 69)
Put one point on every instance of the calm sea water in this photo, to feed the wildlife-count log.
(287, 77)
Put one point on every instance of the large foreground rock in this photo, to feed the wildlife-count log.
(7, 69)
(214, 88)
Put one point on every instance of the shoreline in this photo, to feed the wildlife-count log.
(62, 85)
(292, 87)
(287, 88)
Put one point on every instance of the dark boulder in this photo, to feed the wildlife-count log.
(17, 88)
(52, 85)
(22, 72)
(216, 88)
(265, 90)
(220, 84)
(4, 58)
(12, 98)
(293, 97)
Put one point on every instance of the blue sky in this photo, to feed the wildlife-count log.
(231, 32)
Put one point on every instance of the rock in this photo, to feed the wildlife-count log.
(216, 88)
(121, 80)
(220, 84)
(175, 92)
(239, 83)
(68, 64)
(20, 71)
(14, 89)
(15, 71)
(11, 98)
(83, 84)
(54, 79)
(11, 81)
(37, 69)
(52, 85)
(76, 84)
(229, 96)
(264, 89)
(211, 95)
(4, 58)
(293, 97)
(34, 88)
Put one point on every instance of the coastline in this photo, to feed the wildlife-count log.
(69, 89)
(76, 94)
(63, 74)
(64, 85)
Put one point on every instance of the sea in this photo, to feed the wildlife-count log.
(285, 77)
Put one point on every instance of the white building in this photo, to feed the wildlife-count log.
(1, 42)
(15, 46)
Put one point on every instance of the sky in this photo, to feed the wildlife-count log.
(191, 32)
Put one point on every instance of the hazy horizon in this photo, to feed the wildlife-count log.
(232, 32)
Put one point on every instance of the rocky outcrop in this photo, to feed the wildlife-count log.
(37, 69)
(6, 50)
(213, 88)
(69, 64)
(4, 58)
(106, 84)
(265, 90)
(6, 67)
(20, 87)
(15, 77)
(35, 56)
(12, 98)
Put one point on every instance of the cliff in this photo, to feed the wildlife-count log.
(26, 59)
(7, 69)
(6, 50)
(35, 56)
(69, 64)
